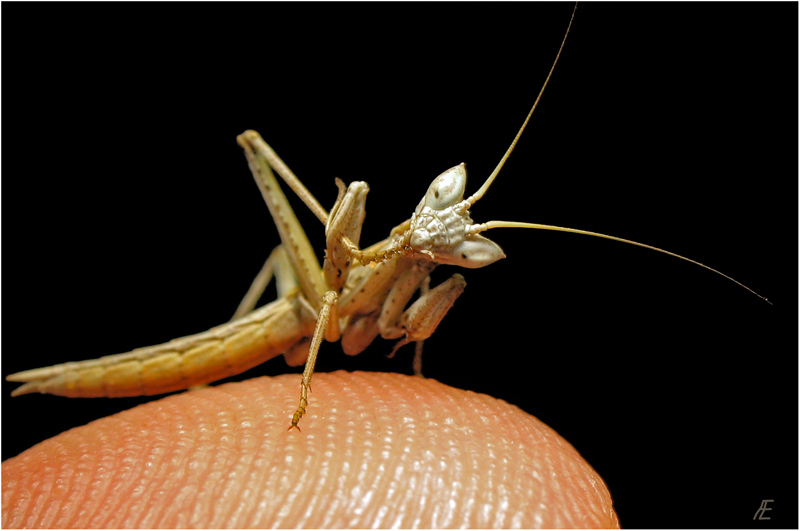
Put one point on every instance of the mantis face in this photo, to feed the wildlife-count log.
(441, 226)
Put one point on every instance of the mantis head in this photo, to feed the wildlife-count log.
(442, 229)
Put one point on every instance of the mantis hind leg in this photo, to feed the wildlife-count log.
(286, 281)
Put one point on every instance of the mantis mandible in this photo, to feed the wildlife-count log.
(314, 302)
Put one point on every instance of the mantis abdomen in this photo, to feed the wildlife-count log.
(220, 352)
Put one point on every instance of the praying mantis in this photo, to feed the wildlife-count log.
(356, 295)
(548, 178)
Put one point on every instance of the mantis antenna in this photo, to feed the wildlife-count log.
(482, 190)
(522, 225)
(518, 224)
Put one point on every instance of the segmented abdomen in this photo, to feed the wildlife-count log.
(222, 351)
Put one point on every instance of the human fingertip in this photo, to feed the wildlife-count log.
(377, 450)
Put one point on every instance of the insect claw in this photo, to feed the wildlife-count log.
(301, 410)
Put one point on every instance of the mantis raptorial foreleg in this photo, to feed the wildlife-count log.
(402, 290)
(422, 318)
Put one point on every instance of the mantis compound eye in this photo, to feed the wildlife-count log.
(447, 189)
(476, 251)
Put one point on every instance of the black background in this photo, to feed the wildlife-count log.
(130, 217)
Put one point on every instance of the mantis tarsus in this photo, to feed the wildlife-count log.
(313, 305)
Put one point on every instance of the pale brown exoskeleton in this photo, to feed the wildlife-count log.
(354, 296)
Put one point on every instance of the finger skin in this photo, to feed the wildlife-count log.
(376, 450)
